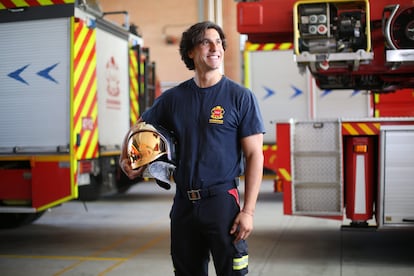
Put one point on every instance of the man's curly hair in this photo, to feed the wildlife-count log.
(193, 36)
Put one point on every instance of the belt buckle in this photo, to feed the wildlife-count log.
(194, 195)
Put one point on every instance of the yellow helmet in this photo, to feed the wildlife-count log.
(146, 144)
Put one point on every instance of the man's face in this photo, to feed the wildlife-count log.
(208, 54)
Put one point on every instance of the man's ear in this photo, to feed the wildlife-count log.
(190, 54)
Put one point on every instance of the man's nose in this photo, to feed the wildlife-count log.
(213, 46)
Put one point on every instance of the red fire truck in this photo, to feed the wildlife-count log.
(335, 82)
(71, 83)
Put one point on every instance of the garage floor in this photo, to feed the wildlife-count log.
(129, 235)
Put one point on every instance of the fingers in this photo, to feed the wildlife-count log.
(234, 227)
(131, 173)
(242, 227)
(242, 235)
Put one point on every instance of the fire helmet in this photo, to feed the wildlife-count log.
(147, 144)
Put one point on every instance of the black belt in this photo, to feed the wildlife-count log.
(198, 194)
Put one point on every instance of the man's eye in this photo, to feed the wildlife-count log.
(207, 42)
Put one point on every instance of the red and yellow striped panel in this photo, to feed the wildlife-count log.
(268, 46)
(142, 74)
(11, 4)
(133, 87)
(85, 104)
(360, 128)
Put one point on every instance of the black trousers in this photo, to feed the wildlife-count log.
(202, 227)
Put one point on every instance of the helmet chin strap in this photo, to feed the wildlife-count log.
(160, 170)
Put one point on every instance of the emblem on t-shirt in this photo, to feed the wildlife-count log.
(217, 114)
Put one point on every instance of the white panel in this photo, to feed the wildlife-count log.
(360, 191)
(34, 102)
(276, 72)
(332, 104)
(113, 87)
(398, 175)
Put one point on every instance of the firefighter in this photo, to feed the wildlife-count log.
(219, 132)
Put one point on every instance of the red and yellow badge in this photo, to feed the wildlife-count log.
(216, 115)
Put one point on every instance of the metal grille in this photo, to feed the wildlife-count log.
(320, 169)
(308, 198)
(316, 167)
(316, 136)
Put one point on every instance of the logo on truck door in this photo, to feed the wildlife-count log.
(113, 84)
(112, 77)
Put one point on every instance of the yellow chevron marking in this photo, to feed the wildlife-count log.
(252, 46)
(365, 128)
(85, 54)
(350, 129)
(285, 46)
(285, 174)
(89, 138)
(133, 92)
(269, 46)
(25, 3)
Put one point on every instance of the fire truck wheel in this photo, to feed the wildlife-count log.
(13, 220)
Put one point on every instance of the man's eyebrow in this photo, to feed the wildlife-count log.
(205, 38)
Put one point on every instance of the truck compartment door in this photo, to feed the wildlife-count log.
(396, 204)
(34, 76)
(316, 154)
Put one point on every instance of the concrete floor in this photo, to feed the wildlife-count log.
(129, 235)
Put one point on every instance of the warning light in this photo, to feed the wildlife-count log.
(85, 166)
(360, 148)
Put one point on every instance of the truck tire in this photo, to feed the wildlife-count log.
(13, 220)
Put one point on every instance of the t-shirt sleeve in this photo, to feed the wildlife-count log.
(251, 120)
(155, 114)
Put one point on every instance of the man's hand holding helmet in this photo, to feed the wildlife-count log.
(129, 171)
(148, 150)
(124, 161)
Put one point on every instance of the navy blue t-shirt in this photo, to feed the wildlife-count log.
(208, 124)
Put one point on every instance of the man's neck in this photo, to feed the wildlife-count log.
(208, 79)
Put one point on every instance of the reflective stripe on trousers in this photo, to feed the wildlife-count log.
(241, 263)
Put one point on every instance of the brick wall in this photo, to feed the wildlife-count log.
(158, 18)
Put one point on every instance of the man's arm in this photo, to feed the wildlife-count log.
(253, 151)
